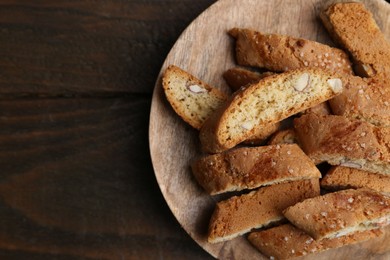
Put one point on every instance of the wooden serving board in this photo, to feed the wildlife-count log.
(206, 51)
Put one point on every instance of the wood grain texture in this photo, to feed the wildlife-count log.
(90, 47)
(205, 50)
(76, 179)
(77, 183)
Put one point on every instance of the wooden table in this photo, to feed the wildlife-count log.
(76, 81)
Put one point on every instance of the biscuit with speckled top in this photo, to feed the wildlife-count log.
(346, 142)
(353, 27)
(287, 241)
(282, 53)
(249, 168)
(240, 214)
(340, 213)
(339, 177)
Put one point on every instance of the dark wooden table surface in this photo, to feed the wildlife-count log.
(76, 81)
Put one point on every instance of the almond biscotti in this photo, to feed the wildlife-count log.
(287, 241)
(240, 214)
(282, 53)
(192, 99)
(345, 142)
(271, 100)
(353, 27)
(340, 213)
(339, 177)
(366, 99)
(249, 168)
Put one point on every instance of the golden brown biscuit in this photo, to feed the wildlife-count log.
(240, 214)
(282, 53)
(340, 213)
(346, 142)
(352, 26)
(249, 168)
(287, 241)
(339, 177)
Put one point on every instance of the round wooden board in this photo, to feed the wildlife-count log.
(206, 51)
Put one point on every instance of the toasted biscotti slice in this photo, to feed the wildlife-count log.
(339, 177)
(366, 99)
(240, 214)
(346, 142)
(249, 168)
(281, 53)
(239, 77)
(340, 213)
(192, 99)
(271, 100)
(287, 241)
(353, 27)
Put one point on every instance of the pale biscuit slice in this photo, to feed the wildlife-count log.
(353, 27)
(192, 99)
(340, 213)
(346, 142)
(282, 53)
(287, 241)
(271, 100)
(339, 177)
(240, 214)
(249, 168)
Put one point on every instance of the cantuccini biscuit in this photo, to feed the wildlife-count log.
(346, 142)
(339, 177)
(287, 241)
(192, 99)
(340, 213)
(282, 53)
(240, 214)
(353, 27)
(249, 168)
(271, 100)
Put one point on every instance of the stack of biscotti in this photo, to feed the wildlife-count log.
(264, 186)
(194, 101)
